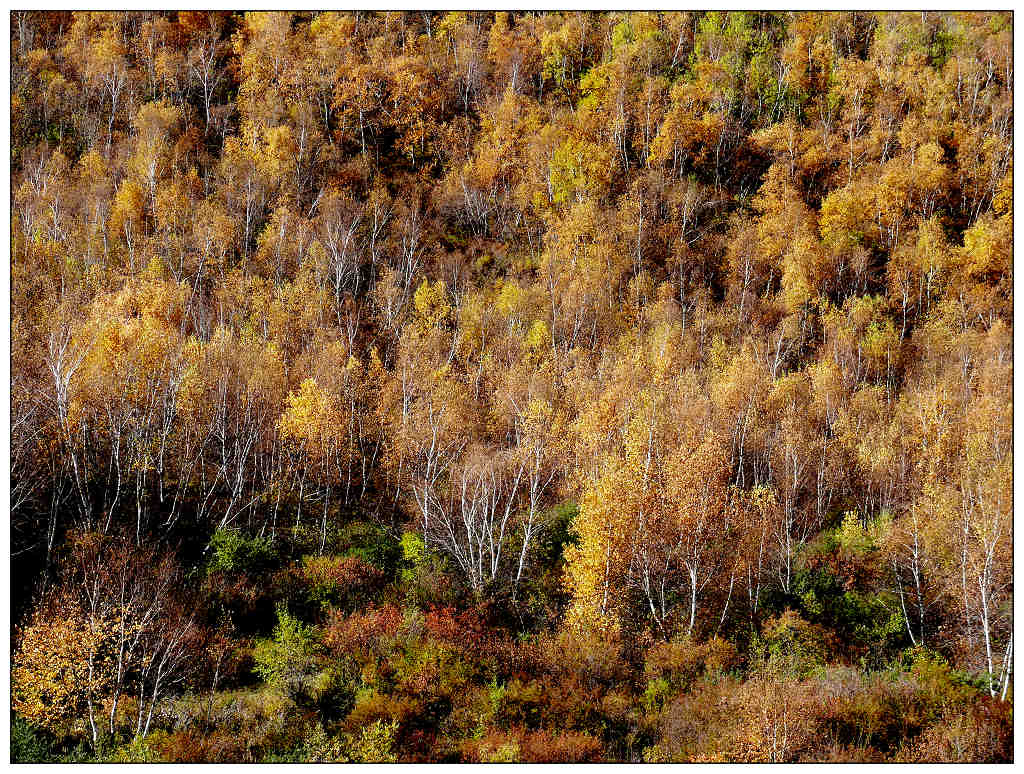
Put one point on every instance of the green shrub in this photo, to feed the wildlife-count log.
(321, 748)
(854, 538)
(657, 693)
(496, 693)
(141, 749)
(851, 535)
(559, 532)
(939, 686)
(375, 743)
(29, 743)
(334, 689)
(316, 747)
(288, 660)
(791, 646)
(424, 573)
(518, 704)
(414, 555)
(372, 544)
(232, 551)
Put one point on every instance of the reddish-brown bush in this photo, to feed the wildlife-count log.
(361, 634)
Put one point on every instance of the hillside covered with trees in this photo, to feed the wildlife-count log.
(511, 386)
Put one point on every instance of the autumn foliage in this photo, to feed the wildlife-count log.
(484, 386)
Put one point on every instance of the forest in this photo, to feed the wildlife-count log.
(511, 387)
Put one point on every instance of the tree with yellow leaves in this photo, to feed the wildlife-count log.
(313, 422)
(61, 667)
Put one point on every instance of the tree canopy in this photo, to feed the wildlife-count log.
(483, 386)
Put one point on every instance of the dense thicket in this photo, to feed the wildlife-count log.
(489, 386)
